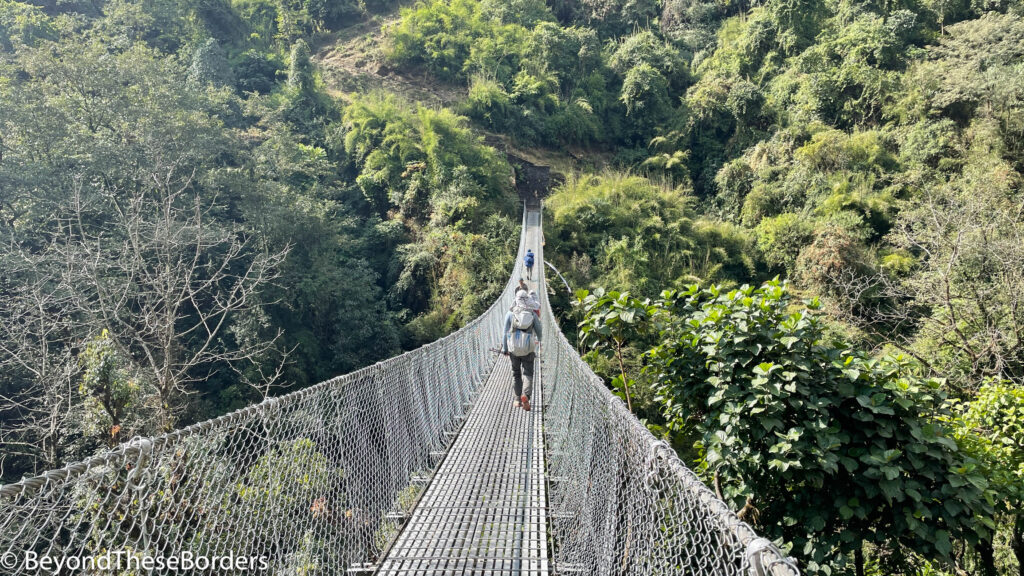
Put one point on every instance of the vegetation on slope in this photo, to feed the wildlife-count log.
(869, 153)
(188, 222)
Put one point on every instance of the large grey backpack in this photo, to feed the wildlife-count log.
(521, 342)
(522, 318)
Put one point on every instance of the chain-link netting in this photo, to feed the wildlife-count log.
(309, 483)
(619, 500)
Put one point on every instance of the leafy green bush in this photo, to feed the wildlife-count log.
(115, 403)
(614, 18)
(780, 239)
(526, 13)
(210, 65)
(285, 485)
(645, 94)
(488, 103)
(646, 48)
(991, 427)
(815, 442)
(439, 35)
(834, 260)
(257, 71)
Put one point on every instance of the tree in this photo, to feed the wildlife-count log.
(300, 69)
(122, 186)
(170, 287)
(327, 298)
(291, 481)
(439, 35)
(815, 442)
(526, 13)
(642, 234)
(38, 340)
(210, 66)
(257, 72)
(610, 322)
(646, 48)
(832, 262)
(613, 18)
(21, 23)
(693, 23)
(645, 94)
(965, 291)
(404, 156)
(780, 239)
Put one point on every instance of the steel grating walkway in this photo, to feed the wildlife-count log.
(485, 510)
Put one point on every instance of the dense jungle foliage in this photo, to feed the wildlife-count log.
(190, 223)
(798, 224)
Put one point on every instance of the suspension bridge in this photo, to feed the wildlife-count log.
(417, 465)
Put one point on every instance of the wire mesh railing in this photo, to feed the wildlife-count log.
(619, 500)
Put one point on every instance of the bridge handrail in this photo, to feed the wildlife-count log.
(618, 496)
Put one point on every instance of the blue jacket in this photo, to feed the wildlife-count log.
(528, 259)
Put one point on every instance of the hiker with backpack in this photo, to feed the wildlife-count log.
(533, 301)
(520, 340)
(528, 262)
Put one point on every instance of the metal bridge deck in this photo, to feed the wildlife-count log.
(485, 510)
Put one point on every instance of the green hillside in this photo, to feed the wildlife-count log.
(795, 228)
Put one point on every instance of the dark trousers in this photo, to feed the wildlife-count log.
(529, 272)
(522, 366)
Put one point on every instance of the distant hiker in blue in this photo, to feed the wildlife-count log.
(519, 342)
(528, 262)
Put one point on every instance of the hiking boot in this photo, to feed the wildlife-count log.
(525, 401)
